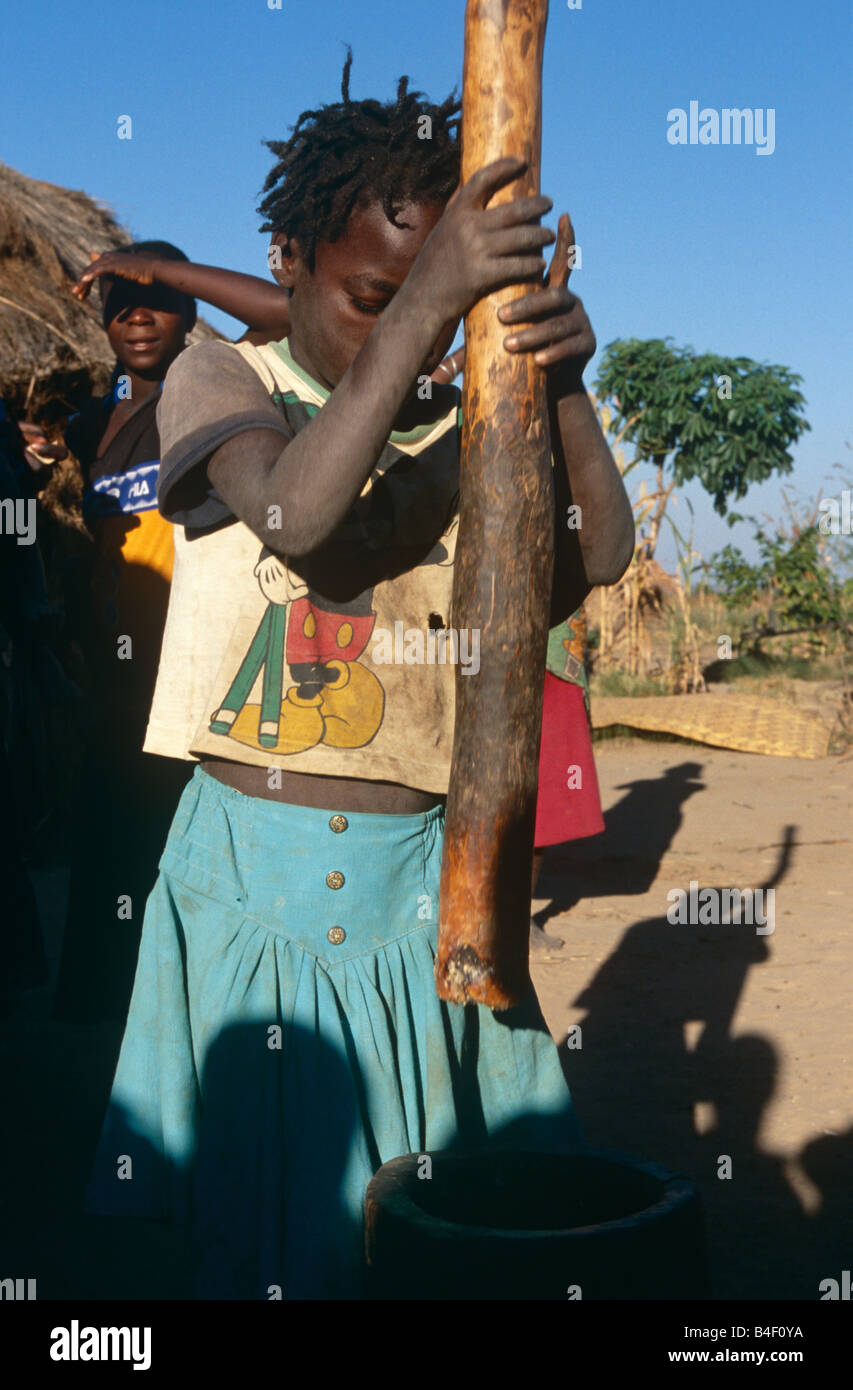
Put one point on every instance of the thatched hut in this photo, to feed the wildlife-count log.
(53, 350)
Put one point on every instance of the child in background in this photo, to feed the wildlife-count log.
(285, 1037)
(127, 798)
(568, 804)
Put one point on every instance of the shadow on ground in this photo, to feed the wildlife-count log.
(626, 856)
(661, 1075)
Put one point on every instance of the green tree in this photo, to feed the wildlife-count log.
(728, 422)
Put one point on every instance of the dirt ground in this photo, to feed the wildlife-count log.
(698, 1042)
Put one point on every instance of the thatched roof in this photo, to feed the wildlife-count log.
(53, 350)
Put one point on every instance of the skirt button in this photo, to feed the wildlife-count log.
(338, 823)
(334, 879)
(336, 935)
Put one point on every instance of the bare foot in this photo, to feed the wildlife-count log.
(540, 943)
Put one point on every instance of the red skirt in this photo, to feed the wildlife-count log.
(568, 806)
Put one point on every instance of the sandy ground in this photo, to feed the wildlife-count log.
(697, 1041)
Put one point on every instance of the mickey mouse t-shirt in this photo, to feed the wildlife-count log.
(340, 663)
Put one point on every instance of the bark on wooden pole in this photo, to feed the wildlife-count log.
(504, 558)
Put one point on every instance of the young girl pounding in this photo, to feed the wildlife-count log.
(285, 1037)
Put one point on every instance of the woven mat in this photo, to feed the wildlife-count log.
(749, 723)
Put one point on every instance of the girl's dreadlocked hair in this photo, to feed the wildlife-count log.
(356, 151)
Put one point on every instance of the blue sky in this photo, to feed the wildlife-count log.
(717, 246)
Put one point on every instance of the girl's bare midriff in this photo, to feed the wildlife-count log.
(323, 793)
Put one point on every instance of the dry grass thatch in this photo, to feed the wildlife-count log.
(53, 350)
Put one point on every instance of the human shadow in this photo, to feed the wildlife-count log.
(270, 1201)
(827, 1161)
(266, 1201)
(660, 1071)
(252, 1176)
(260, 1143)
(626, 856)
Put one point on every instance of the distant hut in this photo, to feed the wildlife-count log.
(53, 350)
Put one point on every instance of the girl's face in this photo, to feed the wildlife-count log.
(146, 327)
(334, 307)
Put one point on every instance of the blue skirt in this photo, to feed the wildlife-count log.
(285, 1039)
